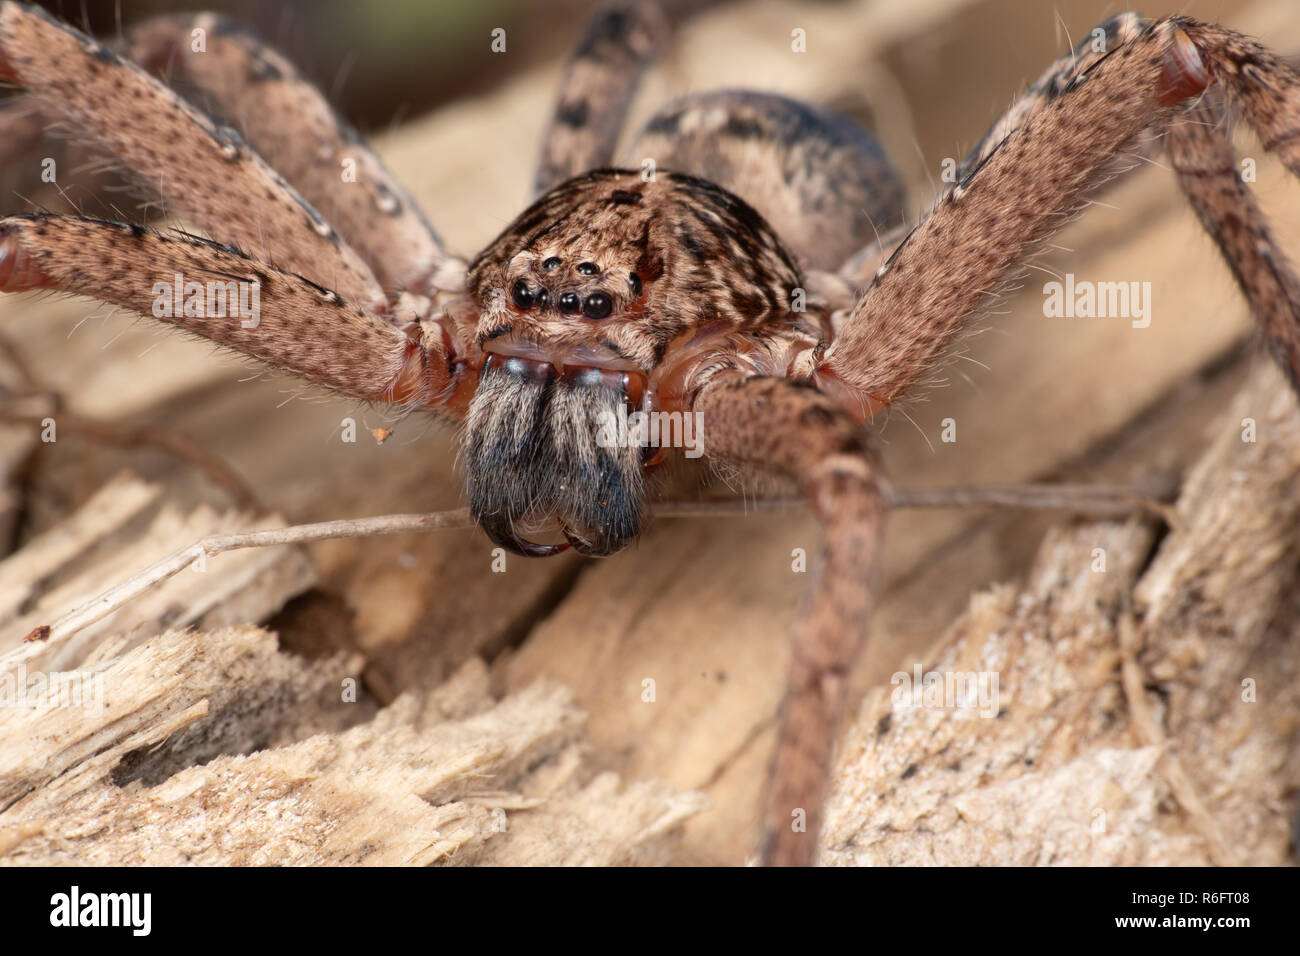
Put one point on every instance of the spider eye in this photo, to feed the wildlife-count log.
(569, 302)
(597, 306)
(551, 264)
(588, 268)
(522, 295)
(634, 281)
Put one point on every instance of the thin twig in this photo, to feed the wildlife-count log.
(1094, 499)
(724, 507)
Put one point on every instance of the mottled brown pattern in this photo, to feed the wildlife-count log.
(616, 47)
(946, 269)
(1265, 85)
(257, 91)
(279, 113)
(1055, 80)
(630, 290)
(800, 433)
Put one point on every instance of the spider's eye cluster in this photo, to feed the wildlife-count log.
(526, 294)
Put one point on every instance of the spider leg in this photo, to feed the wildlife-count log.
(204, 168)
(233, 299)
(618, 45)
(1265, 85)
(1207, 170)
(801, 434)
(115, 597)
(1029, 182)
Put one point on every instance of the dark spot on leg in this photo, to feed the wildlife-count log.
(668, 124)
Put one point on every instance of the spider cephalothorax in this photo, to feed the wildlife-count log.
(603, 298)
